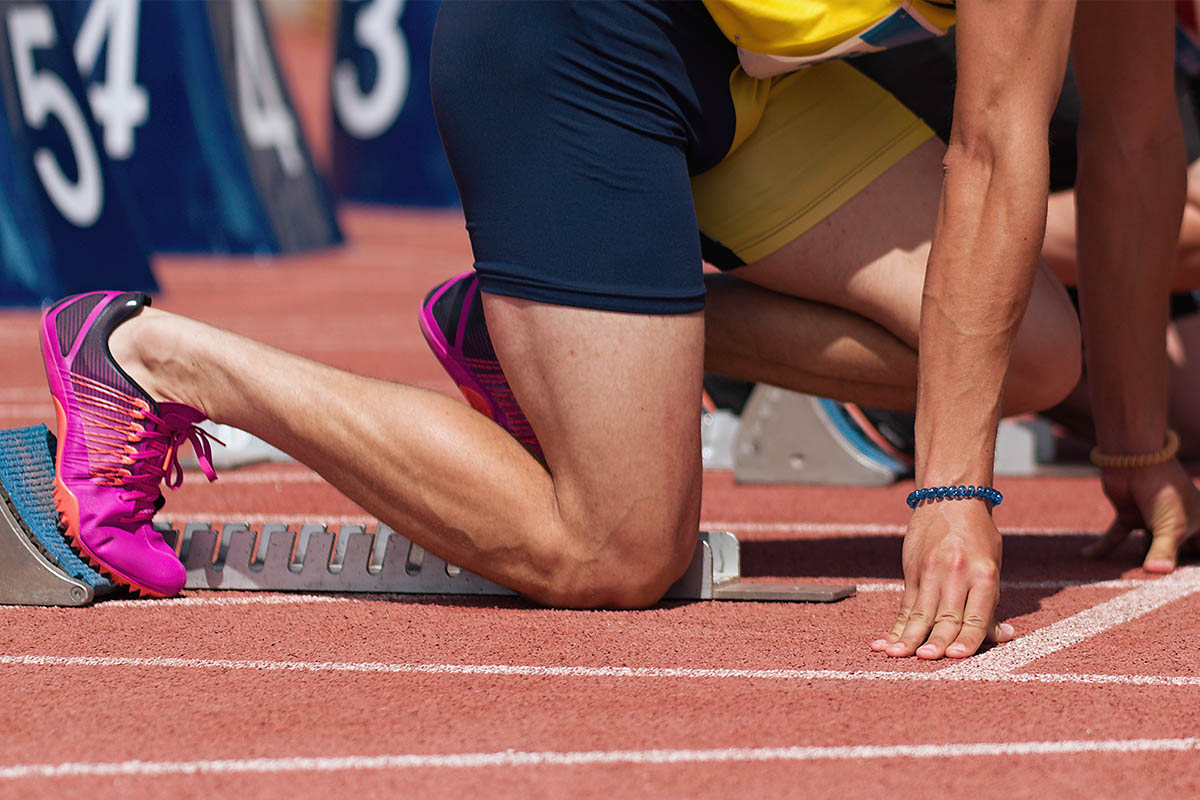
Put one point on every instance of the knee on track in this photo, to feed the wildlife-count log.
(632, 570)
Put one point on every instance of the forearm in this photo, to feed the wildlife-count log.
(980, 272)
(989, 229)
(1060, 252)
(1129, 198)
(1130, 204)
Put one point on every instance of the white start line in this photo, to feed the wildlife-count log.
(547, 758)
(999, 664)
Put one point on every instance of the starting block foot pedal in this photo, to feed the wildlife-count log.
(787, 437)
(313, 559)
(37, 566)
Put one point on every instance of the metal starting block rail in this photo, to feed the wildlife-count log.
(314, 559)
(37, 567)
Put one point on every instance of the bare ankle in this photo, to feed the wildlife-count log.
(149, 348)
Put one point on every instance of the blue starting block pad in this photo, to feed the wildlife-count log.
(37, 566)
(386, 147)
(193, 113)
(65, 215)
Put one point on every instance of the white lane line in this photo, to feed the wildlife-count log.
(1084, 625)
(26, 410)
(233, 600)
(24, 394)
(241, 600)
(547, 671)
(867, 528)
(559, 758)
(1016, 586)
(882, 587)
(178, 517)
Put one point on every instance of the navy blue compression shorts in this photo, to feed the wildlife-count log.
(572, 129)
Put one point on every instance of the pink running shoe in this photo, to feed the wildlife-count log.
(115, 445)
(453, 323)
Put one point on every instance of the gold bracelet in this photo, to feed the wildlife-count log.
(1139, 460)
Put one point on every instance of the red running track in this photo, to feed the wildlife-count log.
(307, 696)
(301, 696)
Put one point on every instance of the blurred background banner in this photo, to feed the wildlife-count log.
(136, 128)
(386, 147)
(65, 221)
(196, 116)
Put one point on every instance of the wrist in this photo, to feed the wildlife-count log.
(1106, 459)
(935, 494)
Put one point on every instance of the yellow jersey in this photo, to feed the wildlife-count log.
(776, 36)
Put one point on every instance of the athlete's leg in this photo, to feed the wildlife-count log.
(611, 522)
(841, 304)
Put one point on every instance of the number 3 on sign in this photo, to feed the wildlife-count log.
(43, 95)
(368, 115)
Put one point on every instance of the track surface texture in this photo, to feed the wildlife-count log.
(302, 696)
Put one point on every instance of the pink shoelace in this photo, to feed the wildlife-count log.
(132, 448)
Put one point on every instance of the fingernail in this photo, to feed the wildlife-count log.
(879, 644)
(927, 650)
(1007, 630)
(956, 649)
(1160, 565)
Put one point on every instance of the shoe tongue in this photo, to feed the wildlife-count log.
(179, 415)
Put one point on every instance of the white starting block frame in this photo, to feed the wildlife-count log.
(313, 559)
(786, 437)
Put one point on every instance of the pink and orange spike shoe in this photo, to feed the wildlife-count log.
(453, 323)
(115, 445)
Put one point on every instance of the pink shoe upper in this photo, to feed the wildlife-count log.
(453, 324)
(115, 444)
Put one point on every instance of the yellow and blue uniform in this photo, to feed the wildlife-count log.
(809, 31)
(810, 140)
(594, 142)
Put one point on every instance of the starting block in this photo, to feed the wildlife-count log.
(788, 437)
(37, 567)
(785, 437)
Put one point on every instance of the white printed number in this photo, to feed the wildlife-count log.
(119, 104)
(44, 95)
(266, 119)
(367, 115)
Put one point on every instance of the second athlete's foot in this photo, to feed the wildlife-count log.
(116, 445)
(454, 326)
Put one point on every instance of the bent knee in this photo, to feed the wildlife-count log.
(1044, 380)
(632, 571)
(1047, 359)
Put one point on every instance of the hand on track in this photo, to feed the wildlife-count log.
(1161, 500)
(951, 583)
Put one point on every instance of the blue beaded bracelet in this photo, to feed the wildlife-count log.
(955, 493)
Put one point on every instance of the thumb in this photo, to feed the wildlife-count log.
(1164, 547)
